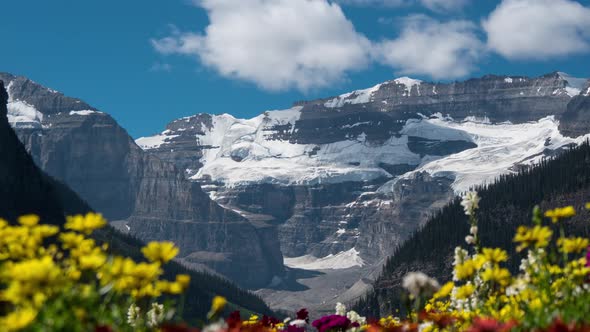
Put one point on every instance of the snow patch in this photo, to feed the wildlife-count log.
(508, 80)
(153, 142)
(23, 115)
(84, 112)
(342, 260)
(499, 148)
(355, 97)
(574, 84)
(408, 83)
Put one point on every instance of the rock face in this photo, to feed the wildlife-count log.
(364, 169)
(24, 188)
(336, 182)
(146, 196)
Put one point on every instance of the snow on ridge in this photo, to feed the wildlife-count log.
(153, 142)
(23, 115)
(574, 85)
(408, 83)
(356, 97)
(342, 260)
(508, 80)
(84, 112)
(499, 148)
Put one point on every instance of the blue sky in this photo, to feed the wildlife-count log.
(147, 62)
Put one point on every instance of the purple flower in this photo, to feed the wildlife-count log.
(332, 322)
(588, 256)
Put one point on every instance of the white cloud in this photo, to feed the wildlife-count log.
(434, 5)
(277, 44)
(429, 47)
(538, 29)
(444, 5)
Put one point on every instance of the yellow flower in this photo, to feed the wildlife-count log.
(537, 236)
(587, 206)
(558, 213)
(465, 291)
(496, 274)
(495, 255)
(85, 224)
(217, 306)
(28, 220)
(183, 280)
(467, 269)
(444, 291)
(218, 303)
(18, 320)
(160, 251)
(572, 245)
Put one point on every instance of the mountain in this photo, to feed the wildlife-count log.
(334, 185)
(143, 195)
(25, 189)
(506, 204)
(338, 173)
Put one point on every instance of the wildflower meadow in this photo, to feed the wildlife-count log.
(56, 279)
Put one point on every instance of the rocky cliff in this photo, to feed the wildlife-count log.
(362, 170)
(143, 195)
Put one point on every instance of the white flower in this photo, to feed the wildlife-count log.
(356, 318)
(298, 323)
(286, 320)
(473, 230)
(133, 315)
(218, 326)
(156, 315)
(418, 283)
(424, 326)
(470, 202)
(340, 309)
(470, 239)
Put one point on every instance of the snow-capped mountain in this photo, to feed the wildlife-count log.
(144, 196)
(335, 172)
(333, 184)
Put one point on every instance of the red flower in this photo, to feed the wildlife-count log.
(303, 314)
(490, 325)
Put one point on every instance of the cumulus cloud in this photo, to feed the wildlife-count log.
(277, 44)
(426, 46)
(538, 29)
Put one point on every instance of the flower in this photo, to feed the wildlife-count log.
(340, 309)
(470, 239)
(85, 224)
(467, 269)
(572, 245)
(217, 305)
(28, 220)
(333, 322)
(465, 291)
(558, 213)
(470, 202)
(303, 314)
(444, 291)
(538, 236)
(183, 280)
(160, 251)
(133, 315)
(18, 320)
(496, 274)
(495, 255)
(473, 230)
(418, 283)
(156, 315)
